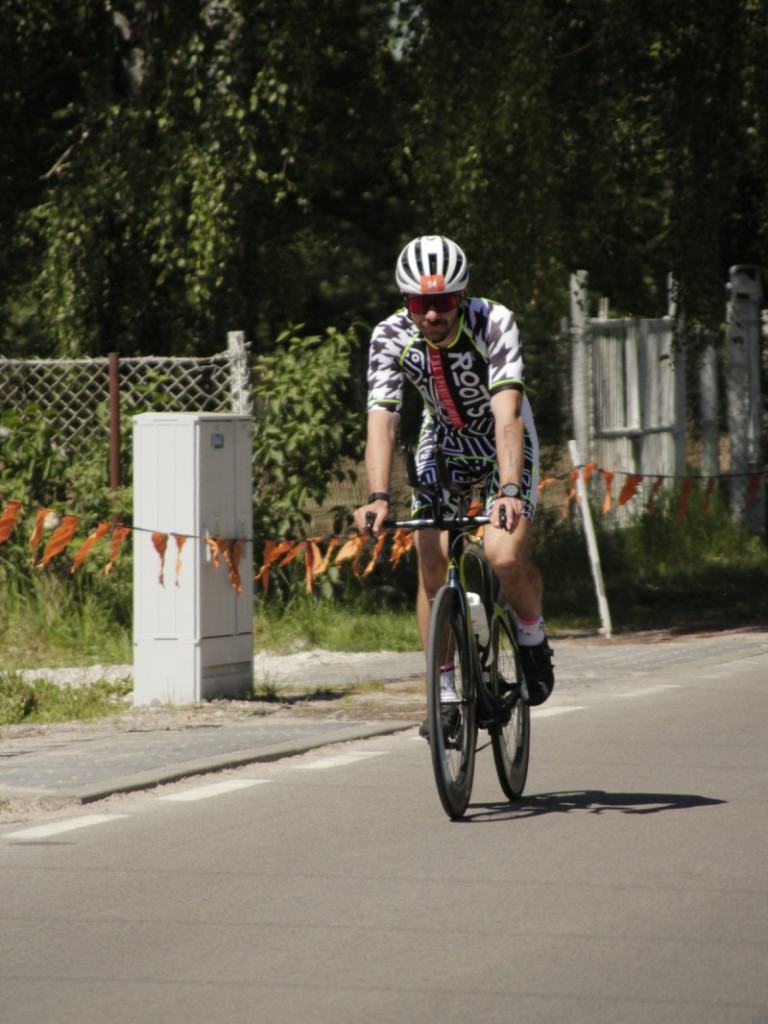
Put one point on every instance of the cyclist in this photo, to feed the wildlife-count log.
(464, 356)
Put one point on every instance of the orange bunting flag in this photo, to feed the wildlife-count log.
(101, 531)
(376, 552)
(263, 573)
(232, 555)
(215, 546)
(754, 487)
(309, 563)
(119, 535)
(402, 542)
(37, 533)
(293, 550)
(707, 495)
(180, 542)
(588, 471)
(61, 536)
(160, 543)
(685, 491)
(8, 520)
(326, 560)
(629, 490)
(545, 483)
(272, 551)
(608, 480)
(352, 548)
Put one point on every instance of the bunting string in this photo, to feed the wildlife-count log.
(319, 553)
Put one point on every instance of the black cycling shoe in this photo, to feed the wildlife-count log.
(450, 716)
(539, 676)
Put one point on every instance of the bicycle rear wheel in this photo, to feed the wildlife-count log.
(511, 738)
(452, 723)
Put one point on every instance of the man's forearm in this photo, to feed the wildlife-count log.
(509, 437)
(380, 448)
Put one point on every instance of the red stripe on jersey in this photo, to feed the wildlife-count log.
(441, 382)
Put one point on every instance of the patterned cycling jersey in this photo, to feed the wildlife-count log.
(456, 382)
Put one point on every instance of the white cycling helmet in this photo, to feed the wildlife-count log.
(431, 264)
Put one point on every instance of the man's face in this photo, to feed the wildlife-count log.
(439, 326)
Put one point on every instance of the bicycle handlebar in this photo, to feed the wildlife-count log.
(432, 523)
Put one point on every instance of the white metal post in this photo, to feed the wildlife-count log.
(744, 395)
(589, 533)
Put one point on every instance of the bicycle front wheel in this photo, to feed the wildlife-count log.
(450, 712)
(511, 736)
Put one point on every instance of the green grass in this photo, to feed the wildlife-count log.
(41, 701)
(333, 626)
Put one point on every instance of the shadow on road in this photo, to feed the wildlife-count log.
(593, 801)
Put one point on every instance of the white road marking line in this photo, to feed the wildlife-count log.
(57, 827)
(551, 712)
(646, 691)
(338, 761)
(216, 789)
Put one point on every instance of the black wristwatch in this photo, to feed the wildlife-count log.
(377, 496)
(510, 491)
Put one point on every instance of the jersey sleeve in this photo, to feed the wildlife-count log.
(385, 374)
(505, 351)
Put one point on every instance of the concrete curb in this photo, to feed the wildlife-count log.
(202, 766)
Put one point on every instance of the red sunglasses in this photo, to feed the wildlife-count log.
(443, 303)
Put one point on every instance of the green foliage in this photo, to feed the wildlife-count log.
(206, 167)
(171, 171)
(40, 470)
(627, 139)
(306, 430)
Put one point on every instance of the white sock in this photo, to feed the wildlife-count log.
(448, 683)
(530, 633)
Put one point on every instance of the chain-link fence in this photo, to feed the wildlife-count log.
(79, 394)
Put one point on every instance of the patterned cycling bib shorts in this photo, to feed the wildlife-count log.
(471, 460)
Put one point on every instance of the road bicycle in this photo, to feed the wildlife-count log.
(473, 638)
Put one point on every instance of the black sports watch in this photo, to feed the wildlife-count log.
(510, 491)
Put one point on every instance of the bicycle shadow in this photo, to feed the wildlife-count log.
(592, 801)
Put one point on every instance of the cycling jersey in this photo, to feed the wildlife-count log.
(485, 357)
(456, 383)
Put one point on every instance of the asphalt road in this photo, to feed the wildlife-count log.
(628, 885)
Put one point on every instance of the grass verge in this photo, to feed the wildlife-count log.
(41, 701)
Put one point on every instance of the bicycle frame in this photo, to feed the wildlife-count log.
(482, 690)
(458, 526)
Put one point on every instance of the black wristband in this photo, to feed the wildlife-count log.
(377, 496)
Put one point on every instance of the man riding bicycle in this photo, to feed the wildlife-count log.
(465, 358)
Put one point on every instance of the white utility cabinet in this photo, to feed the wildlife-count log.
(193, 636)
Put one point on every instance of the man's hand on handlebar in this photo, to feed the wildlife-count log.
(506, 513)
(368, 518)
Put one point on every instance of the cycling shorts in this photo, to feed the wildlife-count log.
(472, 460)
